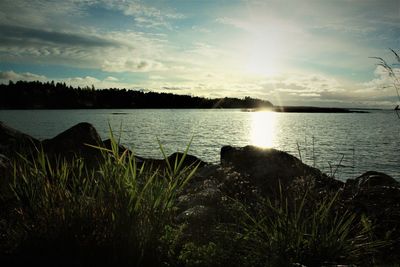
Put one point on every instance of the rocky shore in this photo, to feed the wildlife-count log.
(246, 174)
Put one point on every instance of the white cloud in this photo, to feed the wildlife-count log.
(6, 76)
(111, 79)
(145, 15)
(200, 29)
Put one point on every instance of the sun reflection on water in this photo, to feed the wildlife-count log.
(263, 128)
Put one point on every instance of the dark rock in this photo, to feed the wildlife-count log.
(13, 142)
(187, 162)
(377, 196)
(372, 178)
(204, 193)
(268, 169)
(195, 213)
(75, 141)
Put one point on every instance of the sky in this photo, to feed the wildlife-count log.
(309, 52)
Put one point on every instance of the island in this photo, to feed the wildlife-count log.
(51, 95)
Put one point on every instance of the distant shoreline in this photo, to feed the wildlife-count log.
(26, 95)
(280, 109)
(305, 109)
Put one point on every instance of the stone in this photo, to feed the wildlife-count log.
(377, 196)
(13, 142)
(372, 178)
(189, 160)
(76, 141)
(271, 170)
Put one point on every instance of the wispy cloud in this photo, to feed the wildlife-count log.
(144, 15)
(6, 76)
(17, 35)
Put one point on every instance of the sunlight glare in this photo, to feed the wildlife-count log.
(263, 53)
(263, 128)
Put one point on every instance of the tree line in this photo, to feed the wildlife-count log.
(51, 95)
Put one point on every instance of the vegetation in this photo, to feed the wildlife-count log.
(50, 95)
(393, 74)
(113, 215)
(66, 213)
(309, 233)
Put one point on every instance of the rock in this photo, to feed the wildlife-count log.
(204, 193)
(187, 162)
(376, 195)
(195, 214)
(268, 169)
(373, 192)
(75, 141)
(372, 178)
(13, 142)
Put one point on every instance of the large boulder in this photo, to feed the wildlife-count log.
(76, 141)
(13, 142)
(376, 195)
(371, 179)
(271, 170)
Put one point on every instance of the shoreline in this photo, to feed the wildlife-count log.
(278, 109)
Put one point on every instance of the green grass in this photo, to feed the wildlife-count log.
(114, 214)
(309, 232)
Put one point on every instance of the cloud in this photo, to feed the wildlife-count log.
(111, 79)
(31, 33)
(382, 81)
(176, 88)
(144, 15)
(6, 76)
(131, 65)
(113, 51)
(200, 29)
(14, 35)
(237, 23)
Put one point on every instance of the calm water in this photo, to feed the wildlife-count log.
(356, 142)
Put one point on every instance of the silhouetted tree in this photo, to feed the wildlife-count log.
(50, 95)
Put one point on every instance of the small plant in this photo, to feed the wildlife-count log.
(115, 213)
(308, 232)
(392, 72)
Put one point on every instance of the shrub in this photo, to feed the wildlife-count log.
(309, 233)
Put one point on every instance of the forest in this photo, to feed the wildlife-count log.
(51, 95)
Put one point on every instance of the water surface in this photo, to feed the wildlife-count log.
(346, 144)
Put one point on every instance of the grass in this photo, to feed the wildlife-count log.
(308, 232)
(392, 71)
(115, 214)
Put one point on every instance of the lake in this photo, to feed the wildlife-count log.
(346, 144)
